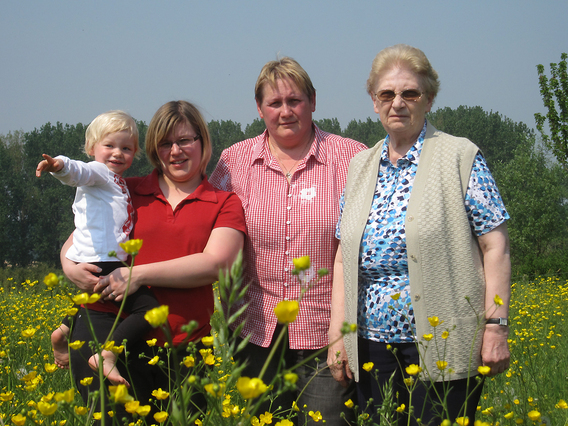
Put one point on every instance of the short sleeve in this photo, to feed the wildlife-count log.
(483, 203)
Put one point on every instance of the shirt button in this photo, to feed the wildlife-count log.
(413, 258)
(285, 298)
(285, 284)
(410, 218)
(288, 208)
(287, 238)
(286, 269)
(417, 298)
(287, 222)
(286, 252)
(289, 195)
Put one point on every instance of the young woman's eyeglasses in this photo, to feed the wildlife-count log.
(182, 143)
(410, 95)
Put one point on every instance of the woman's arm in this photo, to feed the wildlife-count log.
(336, 356)
(190, 271)
(497, 266)
(80, 274)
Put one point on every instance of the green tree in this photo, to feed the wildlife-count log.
(368, 132)
(223, 135)
(49, 217)
(329, 125)
(555, 87)
(535, 194)
(140, 166)
(255, 128)
(496, 135)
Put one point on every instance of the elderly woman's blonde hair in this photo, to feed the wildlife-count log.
(107, 123)
(165, 121)
(403, 55)
(285, 67)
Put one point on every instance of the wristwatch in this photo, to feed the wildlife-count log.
(501, 321)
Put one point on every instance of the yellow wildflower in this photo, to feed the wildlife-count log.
(189, 361)
(80, 411)
(368, 366)
(462, 421)
(349, 403)
(160, 394)
(18, 420)
(301, 263)
(441, 365)
(413, 369)
(161, 417)
(85, 298)
(157, 316)
(428, 337)
(484, 370)
(445, 334)
(534, 415)
(77, 344)
(286, 311)
(207, 340)
(561, 404)
(266, 418)
(143, 410)
(154, 360)
(509, 416)
(250, 388)
(7, 396)
(400, 408)
(46, 408)
(132, 246)
(434, 321)
(29, 332)
(50, 368)
(120, 394)
(291, 377)
(131, 406)
(284, 422)
(316, 416)
(51, 280)
(152, 342)
(208, 356)
(86, 381)
(395, 296)
(498, 301)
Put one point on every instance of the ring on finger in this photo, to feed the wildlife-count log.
(112, 296)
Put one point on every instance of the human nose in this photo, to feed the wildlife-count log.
(286, 109)
(398, 102)
(175, 149)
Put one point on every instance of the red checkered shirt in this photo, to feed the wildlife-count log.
(286, 220)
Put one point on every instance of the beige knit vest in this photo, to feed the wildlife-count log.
(444, 260)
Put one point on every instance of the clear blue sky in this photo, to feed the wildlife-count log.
(70, 60)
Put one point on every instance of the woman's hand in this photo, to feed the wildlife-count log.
(338, 364)
(113, 286)
(495, 350)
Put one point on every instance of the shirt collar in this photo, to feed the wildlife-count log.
(150, 186)
(261, 151)
(413, 154)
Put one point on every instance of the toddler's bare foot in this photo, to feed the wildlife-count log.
(109, 367)
(60, 349)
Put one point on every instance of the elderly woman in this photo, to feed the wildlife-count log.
(289, 180)
(190, 230)
(423, 240)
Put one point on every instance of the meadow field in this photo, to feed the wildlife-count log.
(33, 390)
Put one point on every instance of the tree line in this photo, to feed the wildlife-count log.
(36, 216)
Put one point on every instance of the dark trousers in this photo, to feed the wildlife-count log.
(320, 392)
(134, 327)
(144, 378)
(427, 397)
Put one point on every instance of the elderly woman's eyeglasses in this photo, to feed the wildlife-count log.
(182, 143)
(410, 95)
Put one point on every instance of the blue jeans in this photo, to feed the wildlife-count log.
(319, 392)
(427, 405)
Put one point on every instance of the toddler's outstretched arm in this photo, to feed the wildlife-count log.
(49, 164)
